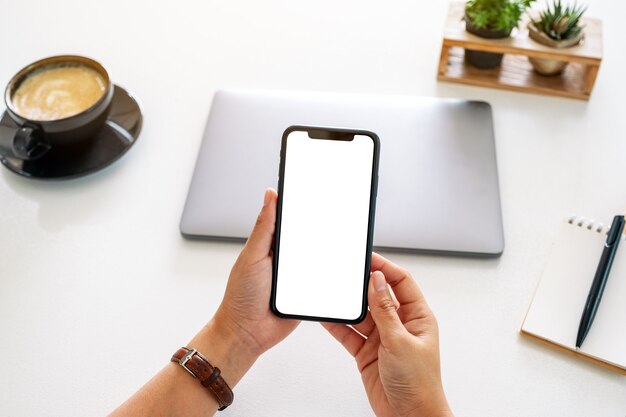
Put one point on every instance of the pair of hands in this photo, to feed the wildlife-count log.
(396, 348)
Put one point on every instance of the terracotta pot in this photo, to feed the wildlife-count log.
(546, 66)
(480, 59)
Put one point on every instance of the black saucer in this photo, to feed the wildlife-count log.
(116, 137)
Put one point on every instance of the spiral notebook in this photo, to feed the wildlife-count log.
(555, 311)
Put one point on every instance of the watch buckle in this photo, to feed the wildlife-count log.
(183, 361)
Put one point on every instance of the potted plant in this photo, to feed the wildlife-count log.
(491, 19)
(557, 27)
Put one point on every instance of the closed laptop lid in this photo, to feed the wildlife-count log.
(438, 183)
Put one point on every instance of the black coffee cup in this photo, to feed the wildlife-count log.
(34, 138)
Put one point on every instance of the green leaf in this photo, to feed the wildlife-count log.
(559, 22)
(496, 14)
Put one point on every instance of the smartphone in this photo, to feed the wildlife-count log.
(327, 186)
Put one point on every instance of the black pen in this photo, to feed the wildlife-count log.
(599, 280)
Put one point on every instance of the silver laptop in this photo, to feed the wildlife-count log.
(438, 185)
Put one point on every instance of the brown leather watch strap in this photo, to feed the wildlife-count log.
(208, 375)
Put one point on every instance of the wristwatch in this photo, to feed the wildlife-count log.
(208, 375)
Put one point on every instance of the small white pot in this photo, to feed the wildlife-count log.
(550, 66)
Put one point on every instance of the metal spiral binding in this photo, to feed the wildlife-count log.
(589, 224)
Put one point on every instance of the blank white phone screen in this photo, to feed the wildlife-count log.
(324, 226)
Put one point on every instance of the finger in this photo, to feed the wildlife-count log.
(412, 302)
(403, 284)
(259, 243)
(366, 326)
(396, 303)
(351, 340)
(383, 310)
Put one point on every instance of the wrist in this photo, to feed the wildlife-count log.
(429, 404)
(437, 407)
(226, 350)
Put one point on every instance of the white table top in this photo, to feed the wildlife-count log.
(97, 287)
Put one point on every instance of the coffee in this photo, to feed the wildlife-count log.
(58, 91)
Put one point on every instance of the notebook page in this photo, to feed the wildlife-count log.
(560, 297)
(607, 337)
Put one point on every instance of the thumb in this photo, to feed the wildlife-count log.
(259, 243)
(383, 309)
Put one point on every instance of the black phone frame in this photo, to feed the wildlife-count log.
(370, 227)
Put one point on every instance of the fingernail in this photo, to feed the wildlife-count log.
(266, 198)
(379, 281)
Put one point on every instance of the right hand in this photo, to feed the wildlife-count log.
(396, 351)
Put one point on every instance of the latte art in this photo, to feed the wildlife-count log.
(57, 92)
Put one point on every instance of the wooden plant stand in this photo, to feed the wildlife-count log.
(516, 73)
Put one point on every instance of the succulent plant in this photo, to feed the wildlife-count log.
(496, 14)
(559, 22)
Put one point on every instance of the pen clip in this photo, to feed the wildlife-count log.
(617, 227)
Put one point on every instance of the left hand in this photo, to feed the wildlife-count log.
(245, 307)
(242, 329)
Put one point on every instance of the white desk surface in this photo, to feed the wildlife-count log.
(97, 287)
